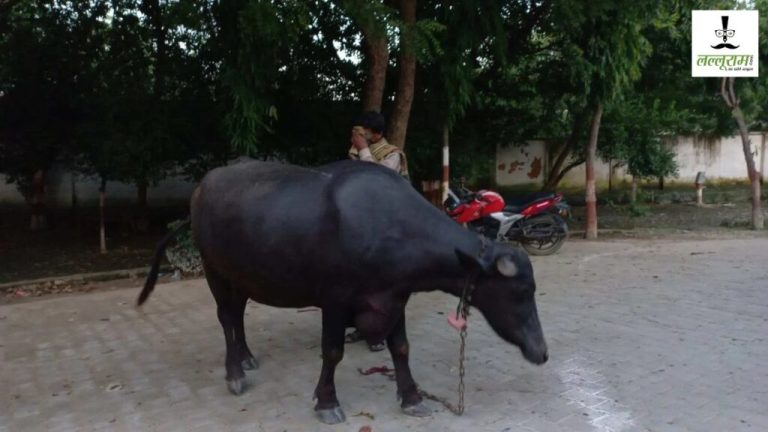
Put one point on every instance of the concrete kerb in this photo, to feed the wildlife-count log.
(85, 277)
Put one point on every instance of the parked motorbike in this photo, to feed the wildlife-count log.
(536, 222)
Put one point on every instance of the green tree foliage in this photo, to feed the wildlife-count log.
(753, 92)
(633, 135)
(44, 51)
(151, 105)
(135, 89)
(254, 36)
(454, 81)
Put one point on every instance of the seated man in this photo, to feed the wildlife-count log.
(369, 145)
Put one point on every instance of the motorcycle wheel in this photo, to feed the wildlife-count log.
(548, 246)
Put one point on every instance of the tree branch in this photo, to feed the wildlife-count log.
(562, 152)
(726, 98)
(565, 170)
(734, 99)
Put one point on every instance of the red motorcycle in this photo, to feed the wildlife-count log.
(535, 222)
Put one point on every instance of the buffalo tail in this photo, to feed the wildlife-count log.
(149, 285)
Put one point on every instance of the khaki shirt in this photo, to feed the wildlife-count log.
(392, 158)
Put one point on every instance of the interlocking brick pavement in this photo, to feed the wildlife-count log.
(643, 335)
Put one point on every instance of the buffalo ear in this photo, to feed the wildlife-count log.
(471, 262)
(507, 266)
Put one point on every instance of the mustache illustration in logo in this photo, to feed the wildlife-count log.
(724, 45)
(725, 33)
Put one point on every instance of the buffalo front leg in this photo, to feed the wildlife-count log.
(327, 408)
(407, 390)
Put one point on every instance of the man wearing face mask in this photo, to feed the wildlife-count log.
(369, 144)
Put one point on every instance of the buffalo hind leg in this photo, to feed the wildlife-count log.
(230, 305)
(247, 359)
(407, 390)
(327, 407)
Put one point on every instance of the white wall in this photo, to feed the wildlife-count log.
(577, 176)
(59, 191)
(521, 164)
(721, 159)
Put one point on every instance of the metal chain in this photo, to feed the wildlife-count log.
(463, 309)
(463, 336)
(457, 410)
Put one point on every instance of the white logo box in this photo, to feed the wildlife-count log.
(737, 55)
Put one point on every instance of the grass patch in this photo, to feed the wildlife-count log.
(639, 210)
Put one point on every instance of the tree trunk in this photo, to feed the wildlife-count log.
(142, 198)
(729, 95)
(398, 121)
(73, 185)
(75, 209)
(758, 221)
(39, 220)
(610, 175)
(141, 222)
(633, 193)
(661, 183)
(762, 159)
(102, 227)
(377, 54)
(591, 196)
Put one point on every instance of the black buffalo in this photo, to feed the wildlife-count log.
(356, 240)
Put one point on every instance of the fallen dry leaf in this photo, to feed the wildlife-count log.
(365, 414)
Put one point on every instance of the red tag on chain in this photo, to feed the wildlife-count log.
(456, 321)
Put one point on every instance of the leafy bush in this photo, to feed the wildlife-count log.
(644, 196)
(183, 255)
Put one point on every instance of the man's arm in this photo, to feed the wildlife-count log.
(391, 161)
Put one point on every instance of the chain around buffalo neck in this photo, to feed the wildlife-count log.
(463, 310)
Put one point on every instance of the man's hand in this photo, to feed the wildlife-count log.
(359, 141)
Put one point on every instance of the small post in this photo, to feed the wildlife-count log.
(700, 178)
(431, 190)
(446, 164)
(102, 228)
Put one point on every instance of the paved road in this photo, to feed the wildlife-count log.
(643, 336)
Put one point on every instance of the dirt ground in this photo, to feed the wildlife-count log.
(71, 246)
(725, 216)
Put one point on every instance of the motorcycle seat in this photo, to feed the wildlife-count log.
(516, 205)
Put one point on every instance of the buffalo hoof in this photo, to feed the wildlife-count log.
(250, 363)
(236, 386)
(376, 347)
(331, 416)
(418, 410)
